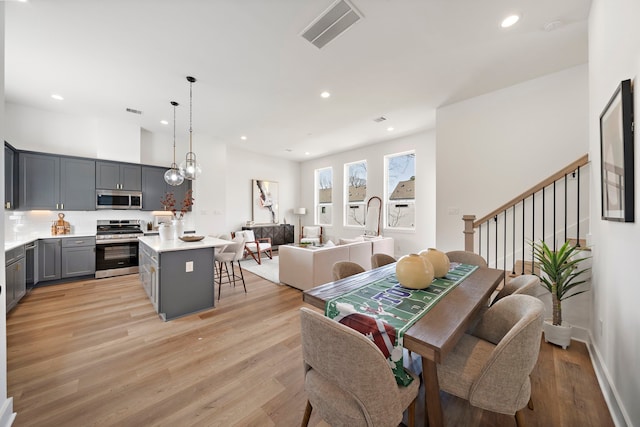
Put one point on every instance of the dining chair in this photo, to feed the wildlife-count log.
(347, 378)
(466, 257)
(525, 284)
(342, 269)
(231, 253)
(490, 367)
(378, 260)
(255, 246)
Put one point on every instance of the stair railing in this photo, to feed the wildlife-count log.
(555, 210)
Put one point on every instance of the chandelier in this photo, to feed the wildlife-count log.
(189, 168)
(172, 176)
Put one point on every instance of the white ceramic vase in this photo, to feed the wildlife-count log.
(178, 228)
(165, 231)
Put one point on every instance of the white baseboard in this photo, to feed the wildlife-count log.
(611, 396)
(7, 416)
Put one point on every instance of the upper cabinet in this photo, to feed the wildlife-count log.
(154, 188)
(54, 182)
(10, 177)
(118, 176)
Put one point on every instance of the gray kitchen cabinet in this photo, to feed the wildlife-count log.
(154, 188)
(49, 259)
(10, 177)
(118, 176)
(78, 257)
(149, 273)
(55, 182)
(77, 184)
(39, 179)
(15, 277)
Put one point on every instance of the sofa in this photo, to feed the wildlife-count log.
(307, 267)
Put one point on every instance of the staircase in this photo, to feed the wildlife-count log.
(555, 210)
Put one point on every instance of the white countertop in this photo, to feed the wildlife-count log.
(158, 245)
(26, 240)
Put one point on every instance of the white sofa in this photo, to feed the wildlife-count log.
(304, 268)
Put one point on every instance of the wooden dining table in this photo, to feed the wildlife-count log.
(436, 333)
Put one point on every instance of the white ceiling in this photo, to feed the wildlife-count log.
(258, 77)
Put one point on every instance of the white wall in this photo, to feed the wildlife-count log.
(405, 241)
(614, 55)
(516, 137)
(242, 168)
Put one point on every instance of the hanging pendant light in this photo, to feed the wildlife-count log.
(189, 168)
(172, 176)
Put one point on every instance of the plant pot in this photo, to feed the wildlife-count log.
(557, 334)
(178, 228)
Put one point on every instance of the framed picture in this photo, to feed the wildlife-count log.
(616, 154)
(265, 202)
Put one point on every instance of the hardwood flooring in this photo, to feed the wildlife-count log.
(94, 353)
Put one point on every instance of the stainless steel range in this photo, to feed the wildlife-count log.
(117, 247)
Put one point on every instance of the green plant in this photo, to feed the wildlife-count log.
(561, 272)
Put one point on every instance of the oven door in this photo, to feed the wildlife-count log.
(115, 255)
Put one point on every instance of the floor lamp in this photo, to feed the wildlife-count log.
(300, 212)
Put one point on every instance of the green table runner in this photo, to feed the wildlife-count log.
(383, 310)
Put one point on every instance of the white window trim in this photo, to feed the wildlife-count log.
(347, 204)
(316, 202)
(386, 202)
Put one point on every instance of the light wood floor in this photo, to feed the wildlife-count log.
(94, 353)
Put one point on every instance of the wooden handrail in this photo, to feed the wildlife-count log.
(556, 176)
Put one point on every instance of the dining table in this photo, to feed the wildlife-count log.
(437, 332)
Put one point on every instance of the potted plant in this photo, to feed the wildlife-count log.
(561, 277)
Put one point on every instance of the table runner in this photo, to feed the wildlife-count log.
(383, 310)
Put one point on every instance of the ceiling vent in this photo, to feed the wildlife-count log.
(131, 110)
(380, 119)
(333, 22)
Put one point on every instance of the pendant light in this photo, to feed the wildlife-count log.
(189, 168)
(172, 176)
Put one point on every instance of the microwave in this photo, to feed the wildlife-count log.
(118, 199)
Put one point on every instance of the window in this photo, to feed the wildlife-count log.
(324, 187)
(400, 190)
(355, 193)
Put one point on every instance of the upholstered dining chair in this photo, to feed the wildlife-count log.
(347, 378)
(255, 247)
(490, 367)
(231, 253)
(525, 284)
(311, 234)
(466, 257)
(378, 260)
(342, 269)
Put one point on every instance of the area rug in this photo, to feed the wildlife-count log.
(269, 269)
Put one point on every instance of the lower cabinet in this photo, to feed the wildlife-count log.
(16, 278)
(149, 273)
(62, 258)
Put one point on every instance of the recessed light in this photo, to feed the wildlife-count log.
(164, 122)
(306, 153)
(390, 129)
(243, 137)
(57, 97)
(325, 94)
(509, 21)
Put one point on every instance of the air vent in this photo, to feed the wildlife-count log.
(380, 119)
(333, 22)
(131, 110)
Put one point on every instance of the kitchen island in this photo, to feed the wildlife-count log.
(177, 275)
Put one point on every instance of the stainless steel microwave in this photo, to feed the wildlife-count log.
(118, 199)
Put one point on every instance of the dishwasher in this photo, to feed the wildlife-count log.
(31, 263)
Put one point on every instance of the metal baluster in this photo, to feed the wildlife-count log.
(523, 236)
(578, 211)
(504, 243)
(554, 216)
(565, 208)
(513, 245)
(495, 219)
(488, 235)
